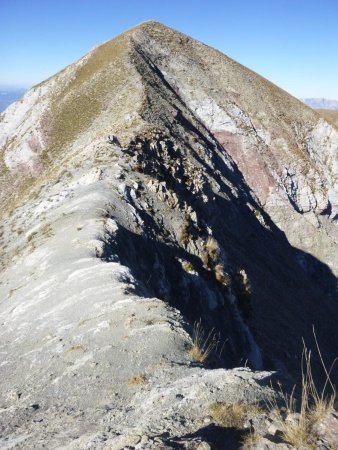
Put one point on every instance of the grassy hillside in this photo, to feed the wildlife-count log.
(330, 115)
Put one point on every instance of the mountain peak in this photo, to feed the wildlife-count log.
(157, 196)
(150, 24)
(153, 25)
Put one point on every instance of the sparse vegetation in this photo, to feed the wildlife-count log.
(212, 248)
(149, 322)
(221, 276)
(75, 348)
(82, 322)
(243, 292)
(330, 115)
(249, 440)
(203, 345)
(298, 427)
(31, 236)
(233, 415)
(11, 291)
(205, 259)
(47, 231)
(185, 230)
(71, 113)
(187, 266)
(137, 379)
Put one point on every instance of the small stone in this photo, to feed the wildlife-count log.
(35, 406)
(272, 429)
(203, 446)
(144, 439)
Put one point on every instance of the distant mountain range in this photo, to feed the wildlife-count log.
(9, 96)
(320, 103)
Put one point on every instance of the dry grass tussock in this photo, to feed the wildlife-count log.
(233, 415)
(137, 379)
(185, 230)
(202, 344)
(298, 426)
(187, 266)
(212, 248)
(249, 440)
(296, 420)
(221, 275)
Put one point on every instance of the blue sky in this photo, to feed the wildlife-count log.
(293, 43)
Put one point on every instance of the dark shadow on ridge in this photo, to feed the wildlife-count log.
(292, 291)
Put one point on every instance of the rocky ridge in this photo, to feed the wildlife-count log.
(152, 184)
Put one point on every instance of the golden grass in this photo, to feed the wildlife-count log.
(187, 266)
(212, 248)
(297, 425)
(233, 415)
(249, 440)
(203, 345)
(86, 94)
(185, 230)
(137, 379)
(221, 276)
(314, 404)
(330, 115)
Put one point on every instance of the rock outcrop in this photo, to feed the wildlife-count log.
(153, 184)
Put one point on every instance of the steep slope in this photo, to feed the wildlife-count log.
(279, 145)
(152, 184)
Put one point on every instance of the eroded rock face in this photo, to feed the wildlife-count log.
(286, 153)
(143, 192)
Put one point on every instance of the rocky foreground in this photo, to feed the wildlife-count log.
(152, 186)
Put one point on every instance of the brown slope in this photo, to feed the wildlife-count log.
(329, 115)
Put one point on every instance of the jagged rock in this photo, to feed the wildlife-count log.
(267, 444)
(107, 259)
(327, 431)
(113, 139)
